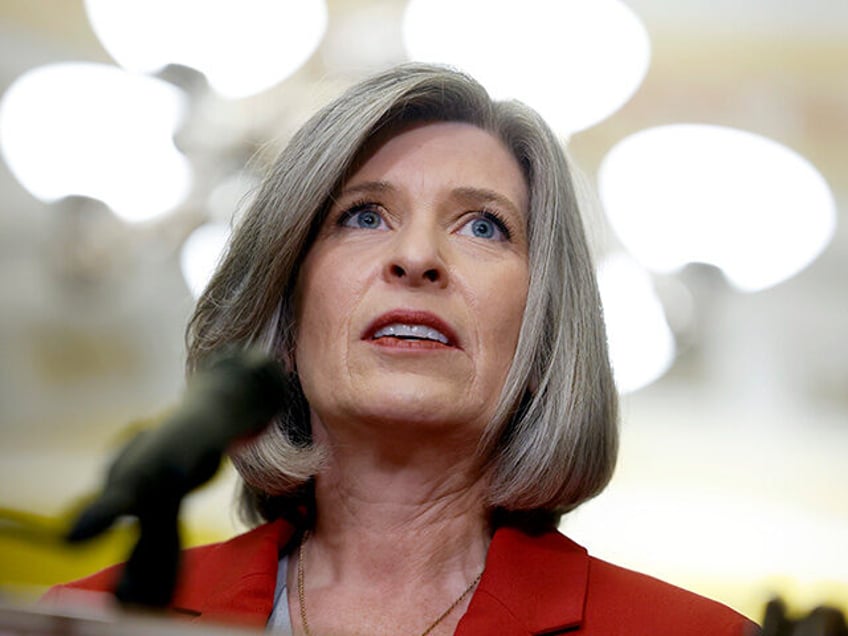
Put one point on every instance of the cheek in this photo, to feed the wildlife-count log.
(511, 292)
(319, 288)
(325, 299)
(313, 300)
(503, 314)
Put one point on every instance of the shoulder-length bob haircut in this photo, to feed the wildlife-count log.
(553, 441)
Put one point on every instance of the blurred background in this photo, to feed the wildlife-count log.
(712, 134)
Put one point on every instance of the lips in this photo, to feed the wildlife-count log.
(411, 326)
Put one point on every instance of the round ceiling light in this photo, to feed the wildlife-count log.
(241, 46)
(691, 193)
(96, 131)
(575, 61)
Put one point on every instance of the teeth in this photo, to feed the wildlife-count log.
(421, 332)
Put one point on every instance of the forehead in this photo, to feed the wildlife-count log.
(448, 154)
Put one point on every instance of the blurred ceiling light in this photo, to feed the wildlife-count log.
(97, 131)
(692, 193)
(201, 253)
(640, 341)
(345, 49)
(242, 46)
(575, 61)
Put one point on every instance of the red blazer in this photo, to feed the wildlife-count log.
(544, 584)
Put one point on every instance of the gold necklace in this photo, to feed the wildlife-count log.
(302, 600)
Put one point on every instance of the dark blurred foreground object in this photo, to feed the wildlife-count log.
(234, 396)
(16, 621)
(822, 621)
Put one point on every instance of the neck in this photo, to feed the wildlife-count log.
(400, 516)
(412, 509)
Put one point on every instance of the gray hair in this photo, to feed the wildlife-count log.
(553, 441)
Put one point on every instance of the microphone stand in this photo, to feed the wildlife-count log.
(234, 396)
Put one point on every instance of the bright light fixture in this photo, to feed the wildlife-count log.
(241, 46)
(96, 131)
(640, 341)
(692, 193)
(201, 253)
(575, 61)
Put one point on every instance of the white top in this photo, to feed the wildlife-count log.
(280, 621)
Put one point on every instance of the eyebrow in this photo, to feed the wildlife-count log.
(465, 194)
(484, 195)
(368, 187)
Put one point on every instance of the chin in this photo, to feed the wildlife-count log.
(427, 412)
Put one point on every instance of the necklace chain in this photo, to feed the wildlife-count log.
(301, 597)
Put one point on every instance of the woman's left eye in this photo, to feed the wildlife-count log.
(365, 217)
(486, 226)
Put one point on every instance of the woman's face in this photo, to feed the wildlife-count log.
(410, 300)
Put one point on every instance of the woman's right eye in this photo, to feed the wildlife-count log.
(365, 217)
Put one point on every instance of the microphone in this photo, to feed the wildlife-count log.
(236, 395)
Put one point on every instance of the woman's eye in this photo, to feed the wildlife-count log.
(486, 226)
(363, 217)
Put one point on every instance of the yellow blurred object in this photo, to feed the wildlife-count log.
(34, 555)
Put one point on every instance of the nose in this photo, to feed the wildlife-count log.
(416, 258)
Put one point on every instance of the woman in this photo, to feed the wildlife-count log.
(416, 259)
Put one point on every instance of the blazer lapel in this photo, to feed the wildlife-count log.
(233, 581)
(531, 585)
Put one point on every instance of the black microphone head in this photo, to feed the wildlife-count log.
(249, 383)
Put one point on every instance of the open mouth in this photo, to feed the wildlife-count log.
(411, 328)
(404, 331)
